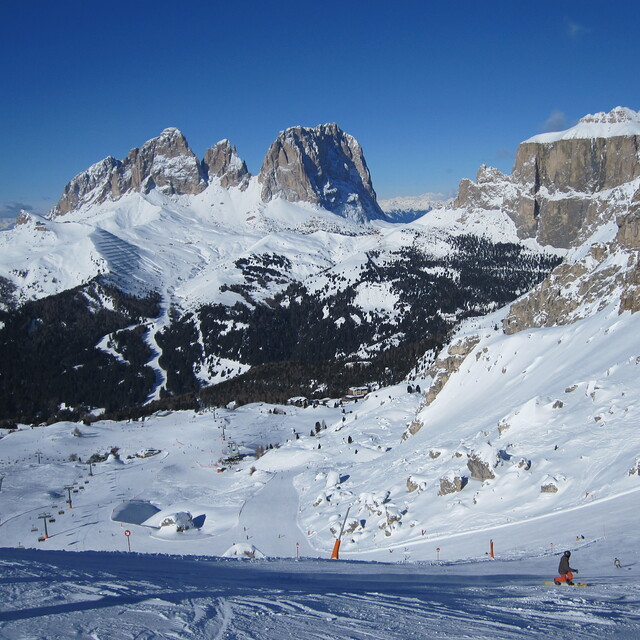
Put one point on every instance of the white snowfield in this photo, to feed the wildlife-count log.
(531, 448)
(413, 564)
(621, 121)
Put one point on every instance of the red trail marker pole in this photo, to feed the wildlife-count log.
(127, 533)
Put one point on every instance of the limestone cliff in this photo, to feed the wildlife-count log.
(165, 163)
(221, 161)
(322, 166)
(566, 184)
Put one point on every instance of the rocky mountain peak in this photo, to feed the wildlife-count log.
(323, 166)
(567, 183)
(94, 185)
(165, 163)
(222, 161)
(615, 116)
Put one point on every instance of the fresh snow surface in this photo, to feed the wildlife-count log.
(186, 247)
(413, 564)
(619, 122)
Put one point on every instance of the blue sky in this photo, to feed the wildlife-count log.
(431, 90)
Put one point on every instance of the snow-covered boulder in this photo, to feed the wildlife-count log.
(243, 551)
(333, 478)
(180, 521)
(451, 483)
(481, 462)
(416, 483)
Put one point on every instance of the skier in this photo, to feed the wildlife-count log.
(565, 571)
(617, 564)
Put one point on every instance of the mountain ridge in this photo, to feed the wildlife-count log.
(322, 166)
(245, 282)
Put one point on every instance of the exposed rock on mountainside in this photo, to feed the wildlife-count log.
(95, 185)
(451, 483)
(165, 163)
(323, 166)
(448, 362)
(608, 274)
(563, 185)
(629, 225)
(222, 161)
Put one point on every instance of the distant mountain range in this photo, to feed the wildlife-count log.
(165, 278)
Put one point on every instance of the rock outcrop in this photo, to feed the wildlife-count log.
(608, 274)
(165, 163)
(479, 467)
(221, 161)
(564, 184)
(323, 166)
(629, 225)
(447, 363)
(96, 184)
(452, 483)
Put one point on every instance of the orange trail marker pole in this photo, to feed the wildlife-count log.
(336, 546)
(491, 549)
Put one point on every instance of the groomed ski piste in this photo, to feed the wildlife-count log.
(254, 558)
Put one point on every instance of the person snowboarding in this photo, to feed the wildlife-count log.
(565, 571)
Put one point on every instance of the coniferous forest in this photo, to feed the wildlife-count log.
(91, 347)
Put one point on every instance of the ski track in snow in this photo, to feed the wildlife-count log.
(115, 596)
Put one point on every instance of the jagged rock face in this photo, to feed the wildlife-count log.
(165, 163)
(479, 468)
(562, 176)
(222, 161)
(608, 274)
(487, 192)
(24, 217)
(629, 225)
(564, 184)
(451, 485)
(323, 166)
(96, 184)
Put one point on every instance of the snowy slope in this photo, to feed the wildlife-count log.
(438, 584)
(621, 121)
(122, 596)
(550, 413)
(552, 406)
(185, 246)
(547, 407)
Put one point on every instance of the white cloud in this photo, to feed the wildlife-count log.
(555, 122)
(576, 30)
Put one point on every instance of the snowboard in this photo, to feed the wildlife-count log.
(551, 583)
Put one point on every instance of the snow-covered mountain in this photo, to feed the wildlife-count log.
(409, 208)
(519, 439)
(242, 272)
(566, 185)
(294, 265)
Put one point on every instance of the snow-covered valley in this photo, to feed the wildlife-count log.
(413, 563)
(510, 438)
